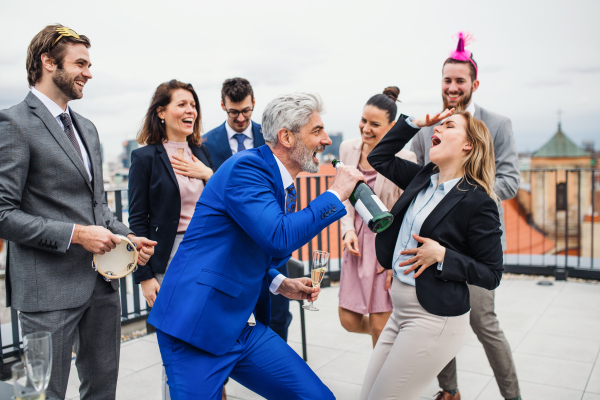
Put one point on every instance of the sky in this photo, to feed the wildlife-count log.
(535, 57)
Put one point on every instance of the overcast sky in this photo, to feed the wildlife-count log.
(534, 57)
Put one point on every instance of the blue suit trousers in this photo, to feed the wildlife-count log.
(260, 360)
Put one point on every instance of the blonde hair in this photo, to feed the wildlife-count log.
(479, 165)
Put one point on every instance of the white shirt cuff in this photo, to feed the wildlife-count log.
(440, 265)
(409, 122)
(334, 192)
(275, 283)
(70, 240)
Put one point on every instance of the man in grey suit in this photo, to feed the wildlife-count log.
(459, 82)
(53, 213)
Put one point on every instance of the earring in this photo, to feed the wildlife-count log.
(162, 121)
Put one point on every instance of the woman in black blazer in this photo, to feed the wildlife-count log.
(445, 234)
(166, 179)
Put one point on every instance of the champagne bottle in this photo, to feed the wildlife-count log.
(370, 208)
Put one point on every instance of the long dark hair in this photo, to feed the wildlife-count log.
(386, 101)
(153, 131)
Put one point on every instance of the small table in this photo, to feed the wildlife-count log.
(7, 392)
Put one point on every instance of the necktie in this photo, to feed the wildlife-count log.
(240, 137)
(68, 124)
(290, 201)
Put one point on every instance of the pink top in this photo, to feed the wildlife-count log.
(190, 189)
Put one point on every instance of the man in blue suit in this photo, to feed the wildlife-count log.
(212, 314)
(239, 133)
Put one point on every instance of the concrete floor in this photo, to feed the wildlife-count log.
(554, 332)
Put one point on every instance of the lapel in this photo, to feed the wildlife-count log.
(477, 114)
(165, 158)
(420, 182)
(259, 139)
(223, 146)
(440, 211)
(86, 137)
(270, 159)
(40, 110)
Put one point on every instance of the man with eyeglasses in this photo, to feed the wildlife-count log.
(239, 132)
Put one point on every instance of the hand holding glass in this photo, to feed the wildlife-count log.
(319, 268)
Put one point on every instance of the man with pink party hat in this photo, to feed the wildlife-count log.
(459, 82)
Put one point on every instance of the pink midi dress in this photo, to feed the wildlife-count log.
(362, 290)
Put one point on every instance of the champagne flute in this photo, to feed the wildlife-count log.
(38, 346)
(319, 268)
(28, 380)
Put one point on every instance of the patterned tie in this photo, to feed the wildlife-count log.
(290, 201)
(240, 137)
(68, 124)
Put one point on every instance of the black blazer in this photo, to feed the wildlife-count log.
(465, 222)
(155, 202)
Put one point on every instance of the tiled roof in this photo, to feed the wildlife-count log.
(521, 237)
(560, 146)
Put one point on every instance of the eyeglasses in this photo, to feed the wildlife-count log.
(64, 32)
(234, 113)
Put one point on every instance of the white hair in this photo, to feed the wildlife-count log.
(290, 111)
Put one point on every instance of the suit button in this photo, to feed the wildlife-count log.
(334, 209)
(95, 203)
(323, 216)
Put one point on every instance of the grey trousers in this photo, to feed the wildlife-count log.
(485, 325)
(95, 329)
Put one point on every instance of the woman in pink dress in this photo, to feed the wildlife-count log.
(365, 300)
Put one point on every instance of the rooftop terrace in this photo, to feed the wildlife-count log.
(554, 332)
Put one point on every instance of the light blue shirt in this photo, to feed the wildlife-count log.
(417, 213)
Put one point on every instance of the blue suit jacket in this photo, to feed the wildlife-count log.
(217, 142)
(238, 236)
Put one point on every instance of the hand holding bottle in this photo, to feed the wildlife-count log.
(346, 178)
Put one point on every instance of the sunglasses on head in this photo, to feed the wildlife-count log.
(64, 32)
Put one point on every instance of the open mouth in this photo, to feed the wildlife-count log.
(317, 151)
(367, 136)
(435, 141)
(81, 84)
(453, 97)
(188, 122)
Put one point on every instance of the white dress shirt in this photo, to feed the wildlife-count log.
(55, 110)
(233, 143)
(418, 211)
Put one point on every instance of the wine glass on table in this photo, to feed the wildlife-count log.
(319, 268)
(38, 346)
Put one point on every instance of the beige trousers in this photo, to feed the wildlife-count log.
(412, 349)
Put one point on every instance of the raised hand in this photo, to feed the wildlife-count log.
(430, 253)
(195, 169)
(429, 121)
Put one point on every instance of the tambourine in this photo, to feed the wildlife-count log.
(119, 262)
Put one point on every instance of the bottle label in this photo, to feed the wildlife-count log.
(379, 203)
(363, 211)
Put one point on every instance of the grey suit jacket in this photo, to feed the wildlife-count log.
(505, 151)
(44, 190)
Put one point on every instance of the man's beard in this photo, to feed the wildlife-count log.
(304, 157)
(66, 84)
(462, 104)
